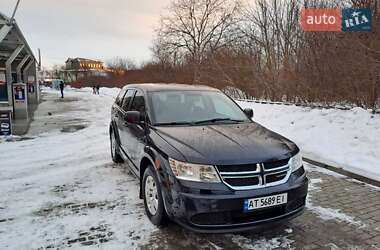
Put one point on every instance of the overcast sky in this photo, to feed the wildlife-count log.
(93, 29)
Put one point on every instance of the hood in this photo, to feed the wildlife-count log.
(227, 144)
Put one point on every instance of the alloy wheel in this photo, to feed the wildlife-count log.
(151, 195)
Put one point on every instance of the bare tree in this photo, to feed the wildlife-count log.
(194, 27)
(120, 65)
(272, 30)
(57, 70)
(260, 49)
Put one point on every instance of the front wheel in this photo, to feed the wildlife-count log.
(115, 150)
(153, 202)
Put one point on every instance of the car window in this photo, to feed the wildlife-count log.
(120, 96)
(193, 106)
(138, 103)
(127, 99)
(222, 107)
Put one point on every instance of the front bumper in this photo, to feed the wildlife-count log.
(221, 211)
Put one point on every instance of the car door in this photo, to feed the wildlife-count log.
(137, 137)
(122, 124)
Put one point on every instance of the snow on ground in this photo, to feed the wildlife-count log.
(262, 244)
(348, 139)
(62, 185)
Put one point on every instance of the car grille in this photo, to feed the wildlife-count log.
(251, 176)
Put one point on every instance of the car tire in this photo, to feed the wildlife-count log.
(158, 217)
(115, 149)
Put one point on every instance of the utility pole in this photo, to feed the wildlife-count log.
(39, 59)
(14, 11)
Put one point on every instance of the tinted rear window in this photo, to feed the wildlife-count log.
(120, 96)
(138, 103)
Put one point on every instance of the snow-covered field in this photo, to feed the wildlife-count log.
(348, 139)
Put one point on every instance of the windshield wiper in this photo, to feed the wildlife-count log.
(218, 120)
(198, 122)
(174, 123)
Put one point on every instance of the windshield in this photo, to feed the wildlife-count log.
(195, 107)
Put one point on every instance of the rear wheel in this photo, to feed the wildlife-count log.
(115, 150)
(153, 202)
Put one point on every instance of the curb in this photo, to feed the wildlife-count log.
(313, 106)
(341, 171)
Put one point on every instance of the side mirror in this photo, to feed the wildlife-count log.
(133, 117)
(249, 113)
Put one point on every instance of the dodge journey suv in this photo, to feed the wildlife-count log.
(202, 162)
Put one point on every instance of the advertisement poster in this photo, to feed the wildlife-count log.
(5, 123)
(19, 92)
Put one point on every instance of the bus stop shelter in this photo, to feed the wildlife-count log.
(19, 87)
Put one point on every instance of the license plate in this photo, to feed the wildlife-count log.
(267, 201)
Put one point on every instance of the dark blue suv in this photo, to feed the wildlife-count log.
(202, 162)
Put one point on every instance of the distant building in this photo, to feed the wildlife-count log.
(83, 64)
(77, 68)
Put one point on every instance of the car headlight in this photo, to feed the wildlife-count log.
(296, 162)
(194, 172)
